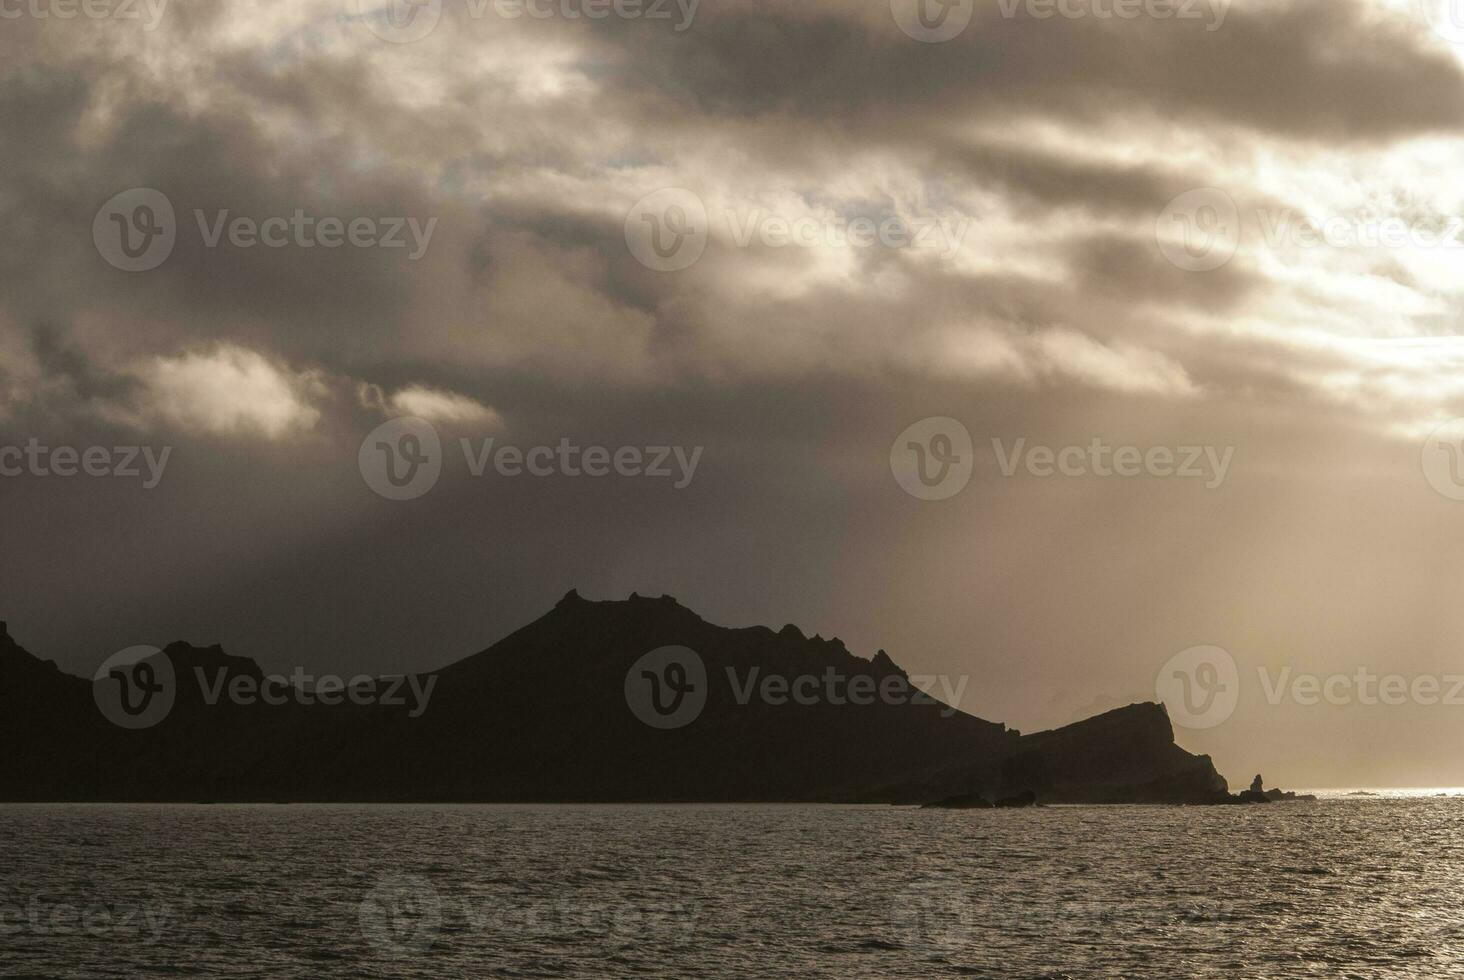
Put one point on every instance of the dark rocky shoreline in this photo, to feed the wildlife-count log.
(1257, 794)
(542, 716)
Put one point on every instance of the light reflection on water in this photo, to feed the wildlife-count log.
(1348, 886)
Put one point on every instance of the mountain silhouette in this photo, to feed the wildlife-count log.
(551, 714)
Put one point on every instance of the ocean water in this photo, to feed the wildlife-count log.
(1350, 886)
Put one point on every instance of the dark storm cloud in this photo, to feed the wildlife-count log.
(762, 64)
(1312, 69)
(1135, 269)
(1050, 181)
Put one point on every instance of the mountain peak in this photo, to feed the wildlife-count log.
(573, 599)
(187, 657)
(664, 599)
(882, 665)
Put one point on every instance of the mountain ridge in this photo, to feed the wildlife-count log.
(552, 712)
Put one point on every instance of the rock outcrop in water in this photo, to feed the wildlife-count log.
(1256, 793)
(1021, 801)
(966, 801)
(546, 715)
(1259, 794)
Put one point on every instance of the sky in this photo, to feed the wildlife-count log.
(1166, 295)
